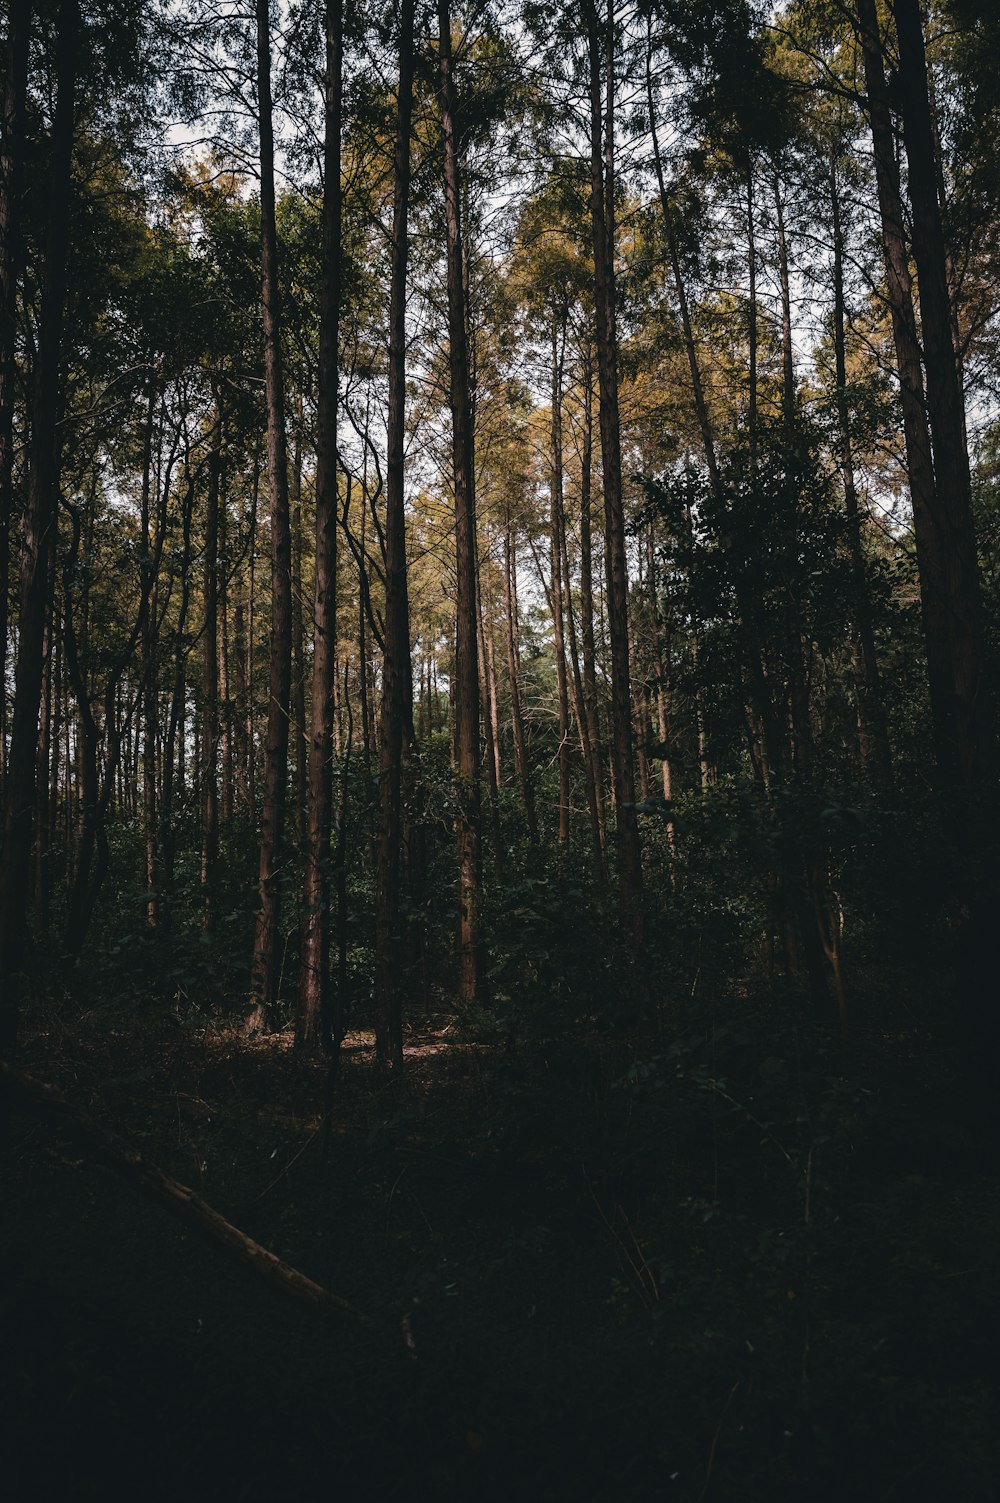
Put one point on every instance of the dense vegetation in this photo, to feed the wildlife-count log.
(499, 614)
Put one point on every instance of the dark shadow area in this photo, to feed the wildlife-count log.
(726, 1261)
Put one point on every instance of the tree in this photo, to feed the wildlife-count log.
(266, 955)
(315, 1009)
(601, 54)
(463, 479)
(396, 735)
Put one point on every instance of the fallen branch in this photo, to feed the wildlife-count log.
(180, 1200)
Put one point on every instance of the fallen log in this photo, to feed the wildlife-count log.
(180, 1200)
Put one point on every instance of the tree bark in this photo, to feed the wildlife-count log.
(556, 526)
(936, 577)
(521, 763)
(588, 644)
(315, 1007)
(150, 682)
(209, 768)
(396, 727)
(466, 674)
(580, 715)
(300, 744)
(11, 189)
(602, 190)
(264, 970)
(968, 729)
(873, 734)
(680, 290)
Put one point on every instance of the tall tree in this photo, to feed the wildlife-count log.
(396, 727)
(463, 473)
(11, 190)
(315, 1002)
(967, 735)
(601, 53)
(264, 970)
(209, 770)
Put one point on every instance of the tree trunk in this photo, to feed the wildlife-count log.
(150, 683)
(489, 721)
(466, 677)
(601, 50)
(521, 763)
(172, 786)
(580, 714)
(298, 700)
(209, 767)
(181, 1202)
(936, 580)
(315, 1005)
(225, 698)
(264, 971)
(968, 731)
(683, 307)
(556, 525)
(41, 884)
(752, 332)
(396, 727)
(876, 755)
(785, 284)
(11, 189)
(587, 607)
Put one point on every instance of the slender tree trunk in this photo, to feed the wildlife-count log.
(799, 678)
(241, 735)
(661, 663)
(680, 289)
(784, 279)
(315, 1007)
(43, 754)
(489, 721)
(556, 525)
(466, 678)
(587, 607)
(209, 765)
(38, 538)
(752, 333)
(602, 52)
(494, 696)
(225, 698)
(298, 727)
(521, 763)
(11, 189)
(640, 710)
(363, 588)
(876, 755)
(396, 726)
(583, 729)
(150, 683)
(175, 731)
(264, 971)
(55, 855)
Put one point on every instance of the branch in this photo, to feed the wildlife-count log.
(181, 1201)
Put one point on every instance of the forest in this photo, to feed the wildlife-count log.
(499, 616)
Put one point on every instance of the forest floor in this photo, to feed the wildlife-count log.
(719, 1260)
